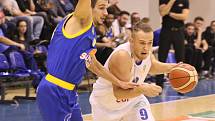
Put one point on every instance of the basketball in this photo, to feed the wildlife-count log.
(183, 78)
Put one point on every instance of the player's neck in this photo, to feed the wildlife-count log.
(135, 58)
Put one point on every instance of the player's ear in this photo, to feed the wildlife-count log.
(130, 40)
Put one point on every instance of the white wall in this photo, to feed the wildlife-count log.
(141, 6)
(149, 8)
(204, 8)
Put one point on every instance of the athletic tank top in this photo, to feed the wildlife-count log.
(67, 53)
(103, 89)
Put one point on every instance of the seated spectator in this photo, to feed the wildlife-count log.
(28, 7)
(113, 8)
(135, 17)
(119, 27)
(28, 54)
(207, 51)
(54, 11)
(35, 22)
(209, 35)
(193, 50)
(7, 27)
(67, 6)
(104, 45)
(5, 42)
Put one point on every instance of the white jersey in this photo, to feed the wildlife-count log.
(103, 90)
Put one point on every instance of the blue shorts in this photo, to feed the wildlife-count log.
(57, 104)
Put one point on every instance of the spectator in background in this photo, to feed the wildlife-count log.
(174, 13)
(67, 6)
(36, 22)
(113, 8)
(193, 50)
(206, 50)
(5, 42)
(28, 54)
(209, 35)
(28, 6)
(7, 27)
(119, 26)
(54, 11)
(135, 17)
(108, 24)
(105, 39)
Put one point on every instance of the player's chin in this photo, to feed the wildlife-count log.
(100, 21)
(143, 56)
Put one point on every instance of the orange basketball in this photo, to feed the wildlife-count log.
(183, 78)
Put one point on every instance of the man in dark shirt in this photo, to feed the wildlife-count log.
(174, 13)
(209, 36)
(193, 50)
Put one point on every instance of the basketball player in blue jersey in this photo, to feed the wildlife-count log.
(71, 50)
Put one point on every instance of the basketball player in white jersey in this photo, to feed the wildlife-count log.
(132, 62)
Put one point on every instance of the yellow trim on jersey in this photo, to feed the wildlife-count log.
(82, 31)
(59, 82)
(93, 52)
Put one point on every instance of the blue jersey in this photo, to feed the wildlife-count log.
(67, 53)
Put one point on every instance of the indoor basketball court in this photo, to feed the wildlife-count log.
(198, 105)
(154, 59)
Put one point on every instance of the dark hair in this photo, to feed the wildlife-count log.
(124, 13)
(134, 13)
(198, 18)
(212, 22)
(19, 21)
(189, 24)
(93, 3)
(141, 25)
(17, 31)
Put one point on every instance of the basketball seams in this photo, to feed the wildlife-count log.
(185, 85)
(188, 88)
(184, 73)
(184, 70)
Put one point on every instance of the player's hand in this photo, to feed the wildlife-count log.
(177, 65)
(21, 46)
(127, 85)
(151, 90)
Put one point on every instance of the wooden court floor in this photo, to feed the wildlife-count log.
(183, 107)
(161, 111)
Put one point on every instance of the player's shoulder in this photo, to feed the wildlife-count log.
(120, 56)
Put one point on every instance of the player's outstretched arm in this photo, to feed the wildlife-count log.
(94, 66)
(81, 18)
(83, 9)
(161, 68)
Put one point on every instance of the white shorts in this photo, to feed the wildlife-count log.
(139, 111)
